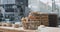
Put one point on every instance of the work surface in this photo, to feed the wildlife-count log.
(11, 29)
(44, 29)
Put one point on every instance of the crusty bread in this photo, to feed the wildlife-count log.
(16, 26)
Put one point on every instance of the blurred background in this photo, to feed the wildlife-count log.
(13, 10)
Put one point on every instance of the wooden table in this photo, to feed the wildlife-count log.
(45, 29)
(11, 29)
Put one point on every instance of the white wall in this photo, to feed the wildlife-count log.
(34, 5)
(0, 1)
(37, 5)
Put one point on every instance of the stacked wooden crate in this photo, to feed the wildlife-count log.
(34, 20)
(53, 20)
(41, 17)
(44, 19)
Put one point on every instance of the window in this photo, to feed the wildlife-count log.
(10, 17)
(9, 10)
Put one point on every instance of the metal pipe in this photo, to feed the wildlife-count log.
(53, 5)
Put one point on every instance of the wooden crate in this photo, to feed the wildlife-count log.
(53, 20)
(35, 19)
